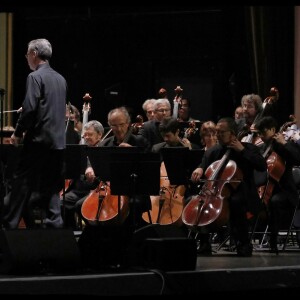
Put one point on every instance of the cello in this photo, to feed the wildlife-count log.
(86, 110)
(178, 96)
(275, 165)
(100, 207)
(85, 113)
(210, 207)
(168, 206)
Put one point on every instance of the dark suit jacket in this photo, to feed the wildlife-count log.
(44, 109)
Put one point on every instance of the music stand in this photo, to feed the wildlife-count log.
(135, 174)
(176, 162)
(180, 162)
(100, 158)
(75, 163)
(8, 162)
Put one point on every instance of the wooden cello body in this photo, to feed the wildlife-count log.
(210, 207)
(168, 206)
(101, 207)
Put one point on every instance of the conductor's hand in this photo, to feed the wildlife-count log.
(14, 140)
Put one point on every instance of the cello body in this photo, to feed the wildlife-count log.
(210, 207)
(276, 168)
(168, 206)
(102, 208)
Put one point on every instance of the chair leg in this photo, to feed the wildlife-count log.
(289, 230)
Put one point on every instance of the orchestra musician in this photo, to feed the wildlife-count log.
(283, 196)
(120, 123)
(253, 109)
(80, 187)
(150, 130)
(73, 125)
(148, 108)
(245, 197)
(169, 128)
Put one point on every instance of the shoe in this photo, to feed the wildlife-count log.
(273, 248)
(244, 250)
(204, 249)
(273, 245)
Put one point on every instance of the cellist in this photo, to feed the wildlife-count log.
(80, 187)
(284, 195)
(119, 121)
(242, 198)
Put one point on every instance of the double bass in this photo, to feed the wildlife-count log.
(210, 207)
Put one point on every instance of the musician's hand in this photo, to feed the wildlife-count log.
(236, 145)
(186, 143)
(89, 174)
(279, 138)
(196, 175)
(253, 129)
(125, 145)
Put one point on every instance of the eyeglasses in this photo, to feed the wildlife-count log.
(27, 54)
(162, 110)
(150, 111)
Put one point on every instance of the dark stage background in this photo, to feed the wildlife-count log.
(124, 55)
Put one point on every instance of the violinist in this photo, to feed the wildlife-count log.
(284, 195)
(120, 123)
(245, 197)
(81, 187)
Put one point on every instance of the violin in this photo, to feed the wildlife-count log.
(191, 130)
(289, 131)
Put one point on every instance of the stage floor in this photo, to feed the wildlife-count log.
(222, 273)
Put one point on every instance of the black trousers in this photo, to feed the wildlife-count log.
(36, 184)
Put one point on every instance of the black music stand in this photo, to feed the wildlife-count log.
(180, 162)
(8, 162)
(135, 174)
(75, 165)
